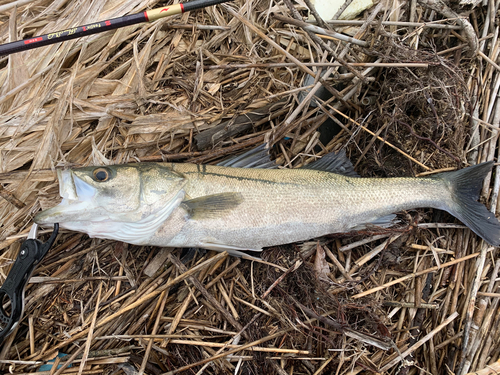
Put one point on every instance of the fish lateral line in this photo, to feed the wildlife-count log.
(238, 178)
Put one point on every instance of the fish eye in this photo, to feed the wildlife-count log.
(101, 174)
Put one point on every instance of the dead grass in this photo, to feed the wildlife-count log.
(421, 298)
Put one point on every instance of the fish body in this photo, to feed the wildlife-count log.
(225, 208)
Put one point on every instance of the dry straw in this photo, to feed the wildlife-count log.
(411, 87)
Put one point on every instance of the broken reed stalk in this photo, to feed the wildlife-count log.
(319, 64)
(235, 350)
(145, 298)
(420, 273)
(465, 361)
(91, 332)
(420, 342)
(230, 346)
(163, 299)
(492, 369)
(320, 30)
(432, 25)
(229, 352)
(483, 320)
(383, 140)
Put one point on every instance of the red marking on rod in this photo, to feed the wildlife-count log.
(108, 23)
(165, 9)
(146, 16)
(33, 40)
(84, 28)
(182, 8)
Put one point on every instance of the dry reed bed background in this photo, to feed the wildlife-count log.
(421, 298)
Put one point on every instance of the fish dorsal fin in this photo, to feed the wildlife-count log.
(211, 206)
(335, 163)
(257, 157)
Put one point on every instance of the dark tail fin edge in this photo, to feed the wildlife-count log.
(465, 185)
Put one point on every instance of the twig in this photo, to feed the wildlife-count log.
(441, 225)
(341, 9)
(434, 25)
(91, 332)
(486, 294)
(483, 321)
(163, 299)
(297, 20)
(469, 31)
(410, 305)
(371, 254)
(319, 30)
(417, 323)
(457, 160)
(492, 369)
(146, 297)
(15, 4)
(205, 293)
(418, 344)
(319, 64)
(464, 363)
(381, 139)
(225, 354)
(415, 274)
(254, 348)
(305, 69)
(490, 61)
(9, 197)
(278, 280)
(368, 339)
(252, 306)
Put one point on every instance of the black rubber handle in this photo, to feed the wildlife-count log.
(12, 291)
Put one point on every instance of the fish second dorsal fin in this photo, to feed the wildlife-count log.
(210, 206)
(334, 162)
(257, 157)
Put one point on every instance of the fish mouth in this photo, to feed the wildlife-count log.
(77, 200)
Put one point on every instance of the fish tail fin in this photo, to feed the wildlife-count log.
(465, 185)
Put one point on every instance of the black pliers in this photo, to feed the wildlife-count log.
(12, 291)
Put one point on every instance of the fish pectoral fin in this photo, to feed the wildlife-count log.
(211, 206)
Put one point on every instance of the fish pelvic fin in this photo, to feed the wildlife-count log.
(465, 185)
(212, 206)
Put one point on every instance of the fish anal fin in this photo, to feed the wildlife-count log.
(211, 206)
(381, 222)
(236, 251)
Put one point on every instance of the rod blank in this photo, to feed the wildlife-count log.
(102, 26)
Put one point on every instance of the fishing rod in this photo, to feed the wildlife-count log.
(101, 26)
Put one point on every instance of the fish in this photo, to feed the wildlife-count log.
(228, 208)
